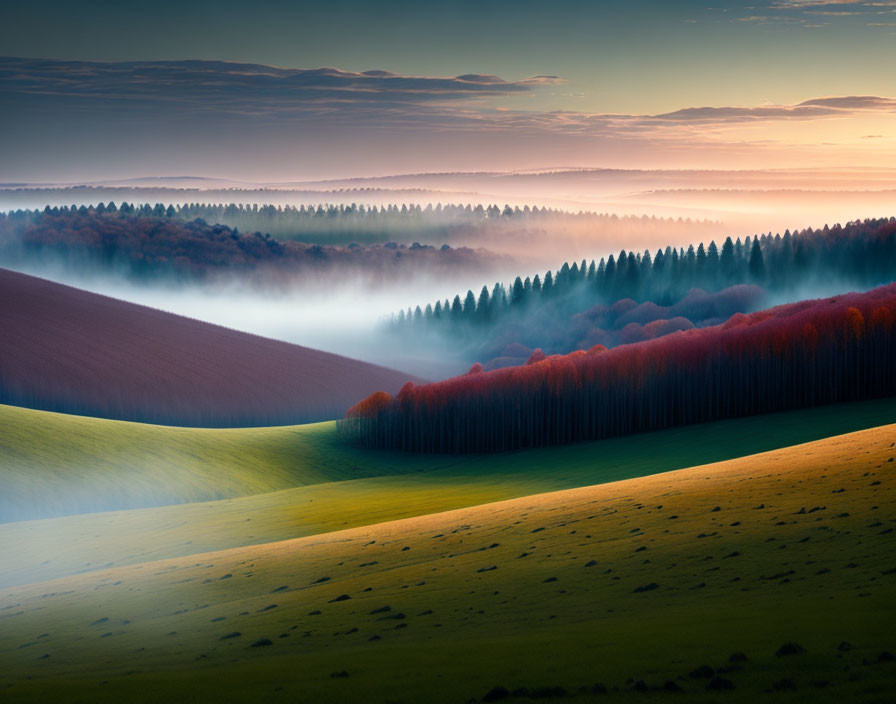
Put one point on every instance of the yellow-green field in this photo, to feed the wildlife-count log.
(637, 581)
(50, 462)
(53, 464)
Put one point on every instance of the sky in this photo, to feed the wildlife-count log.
(413, 86)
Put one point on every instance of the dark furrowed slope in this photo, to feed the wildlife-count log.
(63, 349)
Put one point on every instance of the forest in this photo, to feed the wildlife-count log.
(435, 224)
(586, 303)
(145, 243)
(340, 223)
(792, 356)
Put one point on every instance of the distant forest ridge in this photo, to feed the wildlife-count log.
(331, 223)
(793, 356)
(153, 246)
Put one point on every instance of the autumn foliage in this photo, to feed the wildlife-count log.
(793, 356)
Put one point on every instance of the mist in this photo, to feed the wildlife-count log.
(639, 297)
(340, 298)
(345, 316)
(694, 205)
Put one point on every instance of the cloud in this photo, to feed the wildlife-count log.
(832, 8)
(238, 88)
(803, 4)
(853, 102)
(706, 117)
(206, 89)
(807, 13)
(220, 114)
(744, 114)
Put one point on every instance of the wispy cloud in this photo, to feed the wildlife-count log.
(853, 102)
(239, 88)
(709, 117)
(171, 110)
(802, 4)
(804, 10)
(210, 90)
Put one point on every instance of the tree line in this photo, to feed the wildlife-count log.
(861, 254)
(128, 240)
(340, 223)
(792, 356)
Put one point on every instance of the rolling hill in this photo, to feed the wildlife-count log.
(63, 349)
(236, 487)
(769, 577)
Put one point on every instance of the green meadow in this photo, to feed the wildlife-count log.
(278, 483)
(764, 578)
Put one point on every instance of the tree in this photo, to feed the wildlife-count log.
(701, 260)
(757, 264)
(610, 275)
(621, 269)
(659, 264)
(495, 305)
(516, 292)
(457, 309)
(726, 260)
(712, 257)
(633, 275)
(792, 356)
(690, 261)
(469, 305)
(564, 277)
(483, 308)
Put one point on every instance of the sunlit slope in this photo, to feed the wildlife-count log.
(46, 549)
(56, 464)
(644, 580)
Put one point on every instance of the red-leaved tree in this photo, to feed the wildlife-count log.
(793, 356)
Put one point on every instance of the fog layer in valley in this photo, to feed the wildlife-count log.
(344, 317)
(739, 202)
(337, 300)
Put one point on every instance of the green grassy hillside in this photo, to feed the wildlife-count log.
(59, 456)
(54, 464)
(636, 586)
